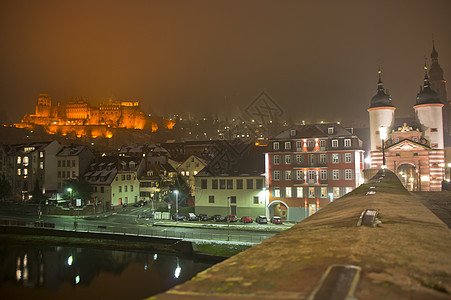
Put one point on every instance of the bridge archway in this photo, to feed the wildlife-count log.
(409, 176)
(278, 208)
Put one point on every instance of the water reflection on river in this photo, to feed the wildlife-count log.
(53, 272)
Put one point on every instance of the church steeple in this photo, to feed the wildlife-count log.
(427, 94)
(381, 98)
(437, 81)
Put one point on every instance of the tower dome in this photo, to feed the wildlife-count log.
(427, 95)
(381, 98)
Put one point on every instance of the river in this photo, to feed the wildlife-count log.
(54, 272)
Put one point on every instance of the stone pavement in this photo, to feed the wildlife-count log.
(406, 257)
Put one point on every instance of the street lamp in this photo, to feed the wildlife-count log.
(383, 133)
(70, 194)
(70, 199)
(176, 205)
(228, 218)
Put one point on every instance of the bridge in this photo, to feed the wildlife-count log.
(377, 242)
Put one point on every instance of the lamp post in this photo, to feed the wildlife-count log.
(383, 133)
(70, 199)
(449, 166)
(228, 218)
(176, 206)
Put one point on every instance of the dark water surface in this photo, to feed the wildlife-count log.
(53, 272)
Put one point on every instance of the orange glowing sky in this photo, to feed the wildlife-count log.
(206, 56)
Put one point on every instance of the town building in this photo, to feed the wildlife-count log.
(72, 162)
(33, 164)
(308, 166)
(190, 168)
(3, 160)
(415, 152)
(239, 191)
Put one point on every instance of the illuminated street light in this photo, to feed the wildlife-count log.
(383, 133)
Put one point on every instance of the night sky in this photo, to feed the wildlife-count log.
(317, 59)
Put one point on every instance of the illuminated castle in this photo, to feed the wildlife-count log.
(78, 117)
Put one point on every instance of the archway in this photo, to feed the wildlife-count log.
(278, 208)
(408, 174)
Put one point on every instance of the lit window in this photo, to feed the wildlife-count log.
(19, 172)
(187, 173)
(300, 192)
(348, 190)
(41, 165)
(335, 143)
(25, 171)
(25, 161)
(336, 192)
(41, 154)
(195, 172)
(276, 192)
(288, 192)
(183, 173)
(311, 192)
(19, 160)
(324, 192)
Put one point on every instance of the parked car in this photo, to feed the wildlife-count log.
(247, 219)
(261, 220)
(231, 218)
(176, 217)
(192, 217)
(276, 220)
(217, 218)
(202, 217)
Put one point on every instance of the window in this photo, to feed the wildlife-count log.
(123, 177)
(195, 172)
(334, 143)
(256, 200)
(299, 159)
(396, 140)
(59, 174)
(68, 174)
(415, 139)
(120, 189)
(335, 158)
(310, 143)
(222, 184)
(433, 129)
(259, 184)
(68, 163)
(311, 175)
(287, 159)
(183, 173)
(275, 146)
(131, 188)
(299, 175)
(323, 174)
(41, 165)
(348, 190)
(292, 132)
(25, 161)
(348, 174)
(233, 199)
(348, 143)
(324, 192)
(298, 145)
(73, 174)
(19, 160)
(322, 144)
(63, 174)
(211, 199)
(276, 176)
(125, 189)
(348, 157)
(25, 172)
(187, 173)
(59, 163)
(323, 158)
(311, 192)
(288, 175)
(41, 154)
(336, 192)
(73, 163)
(330, 130)
(102, 189)
(311, 159)
(276, 159)
(229, 184)
(214, 184)
(300, 192)
(250, 183)
(276, 192)
(335, 174)
(64, 163)
(287, 145)
(239, 184)
(288, 192)
(203, 184)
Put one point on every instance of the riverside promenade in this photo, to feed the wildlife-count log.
(401, 251)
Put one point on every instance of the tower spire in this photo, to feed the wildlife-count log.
(382, 98)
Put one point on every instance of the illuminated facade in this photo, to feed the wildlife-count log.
(308, 166)
(81, 119)
(415, 152)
